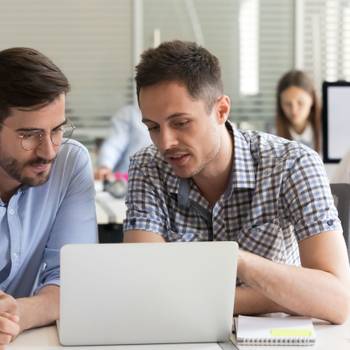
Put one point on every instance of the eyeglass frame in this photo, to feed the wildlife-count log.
(40, 133)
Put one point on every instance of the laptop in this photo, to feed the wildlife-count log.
(147, 293)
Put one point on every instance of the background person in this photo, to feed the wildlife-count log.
(298, 114)
(128, 135)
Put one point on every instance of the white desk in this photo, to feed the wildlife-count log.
(328, 337)
(46, 339)
(109, 210)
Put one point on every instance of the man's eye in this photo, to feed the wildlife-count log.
(59, 130)
(152, 128)
(181, 124)
(28, 136)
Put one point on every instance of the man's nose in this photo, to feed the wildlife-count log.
(46, 149)
(167, 140)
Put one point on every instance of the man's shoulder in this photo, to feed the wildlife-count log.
(72, 155)
(273, 149)
(72, 148)
(150, 161)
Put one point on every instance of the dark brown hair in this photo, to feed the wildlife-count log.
(28, 80)
(301, 80)
(185, 62)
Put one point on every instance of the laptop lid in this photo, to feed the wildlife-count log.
(147, 293)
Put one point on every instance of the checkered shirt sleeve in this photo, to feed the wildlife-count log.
(145, 207)
(307, 197)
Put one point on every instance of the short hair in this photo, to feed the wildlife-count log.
(186, 63)
(28, 79)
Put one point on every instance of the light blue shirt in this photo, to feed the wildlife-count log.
(38, 221)
(128, 135)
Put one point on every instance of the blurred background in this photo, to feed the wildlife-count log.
(98, 42)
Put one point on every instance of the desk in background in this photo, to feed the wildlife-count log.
(110, 213)
(109, 210)
(327, 337)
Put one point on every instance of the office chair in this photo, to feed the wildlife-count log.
(341, 195)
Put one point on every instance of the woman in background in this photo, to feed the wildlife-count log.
(298, 110)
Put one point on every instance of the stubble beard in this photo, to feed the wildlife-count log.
(15, 170)
(212, 155)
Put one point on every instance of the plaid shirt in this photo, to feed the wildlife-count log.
(278, 195)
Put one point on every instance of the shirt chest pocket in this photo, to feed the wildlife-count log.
(265, 240)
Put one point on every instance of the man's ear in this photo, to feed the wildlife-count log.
(223, 106)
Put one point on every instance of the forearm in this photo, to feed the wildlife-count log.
(250, 302)
(39, 310)
(304, 291)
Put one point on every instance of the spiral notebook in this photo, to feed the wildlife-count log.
(274, 331)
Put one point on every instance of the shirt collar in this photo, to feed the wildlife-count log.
(242, 174)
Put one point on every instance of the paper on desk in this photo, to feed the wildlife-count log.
(254, 329)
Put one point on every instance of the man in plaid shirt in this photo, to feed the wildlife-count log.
(205, 180)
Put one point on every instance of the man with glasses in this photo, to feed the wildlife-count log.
(46, 189)
(205, 180)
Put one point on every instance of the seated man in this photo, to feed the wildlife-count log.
(46, 190)
(205, 180)
(128, 135)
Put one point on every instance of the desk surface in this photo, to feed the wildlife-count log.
(46, 339)
(328, 337)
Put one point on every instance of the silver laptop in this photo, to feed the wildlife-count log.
(147, 293)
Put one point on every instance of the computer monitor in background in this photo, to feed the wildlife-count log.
(336, 120)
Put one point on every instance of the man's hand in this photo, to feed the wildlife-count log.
(104, 173)
(9, 319)
(39, 310)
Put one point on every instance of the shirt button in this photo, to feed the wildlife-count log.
(330, 222)
(11, 211)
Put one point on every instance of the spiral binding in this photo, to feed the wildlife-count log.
(277, 341)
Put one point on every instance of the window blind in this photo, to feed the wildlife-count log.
(326, 39)
(275, 57)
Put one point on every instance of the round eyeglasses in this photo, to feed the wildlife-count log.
(31, 139)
